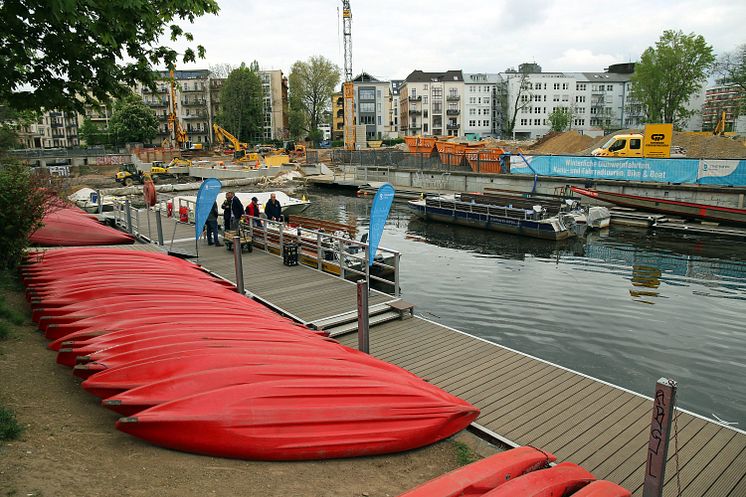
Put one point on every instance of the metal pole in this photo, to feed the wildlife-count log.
(341, 259)
(137, 220)
(660, 429)
(319, 254)
(238, 262)
(147, 214)
(159, 227)
(397, 293)
(100, 208)
(362, 317)
(129, 215)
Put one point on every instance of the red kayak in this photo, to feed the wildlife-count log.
(138, 399)
(602, 488)
(236, 322)
(476, 478)
(113, 381)
(93, 353)
(241, 344)
(560, 480)
(70, 226)
(303, 419)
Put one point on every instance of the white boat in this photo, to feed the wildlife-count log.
(290, 205)
(87, 199)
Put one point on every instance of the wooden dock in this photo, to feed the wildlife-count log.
(524, 400)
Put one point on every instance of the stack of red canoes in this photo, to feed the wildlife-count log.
(67, 225)
(521, 472)
(197, 367)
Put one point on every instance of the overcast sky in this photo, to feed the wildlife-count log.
(392, 38)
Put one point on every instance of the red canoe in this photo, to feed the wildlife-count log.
(668, 206)
(303, 419)
(560, 480)
(479, 477)
(138, 399)
(113, 381)
(602, 488)
(68, 226)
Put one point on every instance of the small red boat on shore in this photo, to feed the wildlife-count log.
(693, 210)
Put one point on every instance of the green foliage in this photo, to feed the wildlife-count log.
(132, 121)
(464, 455)
(560, 119)
(731, 68)
(669, 74)
(9, 427)
(337, 143)
(92, 133)
(393, 141)
(4, 331)
(241, 103)
(64, 54)
(22, 203)
(10, 121)
(311, 86)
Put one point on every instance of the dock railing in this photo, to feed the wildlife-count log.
(328, 252)
(484, 209)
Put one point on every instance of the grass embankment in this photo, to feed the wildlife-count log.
(9, 427)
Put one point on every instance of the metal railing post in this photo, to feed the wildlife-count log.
(159, 226)
(128, 213)
(238, 262)
(100, 208)
(363, 341)
(660, 428)
(341, 260)
(319, 253)
(282, 238)
(397, 293)
(266, 228)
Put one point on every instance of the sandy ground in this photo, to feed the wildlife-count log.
(70, 447)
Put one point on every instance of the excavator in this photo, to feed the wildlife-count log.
(240, 149)
(720, 126)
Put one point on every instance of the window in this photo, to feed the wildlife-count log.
(472, 112)
(424, 129)
(367, 119)
(579, 98)
(425, 86)
(635, 143)
(537, 110)
(537, 122)
(367, 107)
(556, 98)
(472, 100)
(424, 100)
(609, 87)
(378, 94)
(472, 123)
(556, 86)
(378, 107)
(580, 86)
(524, 122)
(579, 122)
(617, 145)
(486, 123)
(485, 100)
(379, 120)
(565, 98)
(565, 86)
(367, 94)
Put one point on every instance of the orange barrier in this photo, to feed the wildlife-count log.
(452, 153)
(420, 144)
(486, 160)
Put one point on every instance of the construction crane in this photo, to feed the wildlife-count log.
(348, 89)
(179, 137)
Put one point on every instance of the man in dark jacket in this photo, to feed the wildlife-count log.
(232, 211)
(211, 226)
(273, 209)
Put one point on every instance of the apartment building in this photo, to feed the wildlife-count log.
(275, 120)
(53, 129)
(430, 103)
(373, 106)
(482, 110)
(395, 106)
(719, 99)
(338, 116)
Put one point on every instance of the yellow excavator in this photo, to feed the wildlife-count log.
(720, 126)
(240, 149)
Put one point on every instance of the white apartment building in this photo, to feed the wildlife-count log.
(53, 129)
(395, 106)
(430, 103)
(481, 105)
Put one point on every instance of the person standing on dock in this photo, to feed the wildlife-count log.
(273, 209)
(253, 211)
(211, 225)
(232, 211)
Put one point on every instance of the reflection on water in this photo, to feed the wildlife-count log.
(582, 303)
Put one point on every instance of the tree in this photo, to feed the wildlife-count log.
(669, 73)
(221, 70)
(523, 94)
(241, 103)
(93, 134)
(560, 119)
(311, 86)
(10, 121)
(63, 55)
(133, 121)
(23, 199)
(731, 67)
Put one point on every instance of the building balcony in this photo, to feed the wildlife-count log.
(193, 90)
(453, 126)
(194, 103)
(453, 98)
(415, 112)
(453, 112)
(162, 117)
(156, 103)
(415, 126)
(415, 99)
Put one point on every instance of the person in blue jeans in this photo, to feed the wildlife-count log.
(211, 225)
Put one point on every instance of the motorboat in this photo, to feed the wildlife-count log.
(290, 205)
(88, 200)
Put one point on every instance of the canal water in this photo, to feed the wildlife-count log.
(624, 305)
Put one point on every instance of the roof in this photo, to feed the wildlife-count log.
(482, 78)
(364, 77)
(418, 76)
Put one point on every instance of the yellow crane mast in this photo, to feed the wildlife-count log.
(348, 89)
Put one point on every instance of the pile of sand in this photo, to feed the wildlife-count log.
(567, 143)
(710, 146)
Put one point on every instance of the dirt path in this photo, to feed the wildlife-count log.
(70, 447)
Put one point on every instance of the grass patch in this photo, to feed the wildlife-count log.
(464, 455)
(4, 331)
(9, 427)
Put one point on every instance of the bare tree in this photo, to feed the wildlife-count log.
(523, 97)
(221, 70)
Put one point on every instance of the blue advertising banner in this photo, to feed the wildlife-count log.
(379, 212)
(691, 171)
(206, 196)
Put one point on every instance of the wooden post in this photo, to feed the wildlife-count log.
(660, 429)
(362, 317)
